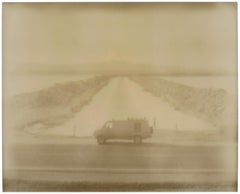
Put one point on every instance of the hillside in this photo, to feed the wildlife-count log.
(54, 105)
(209, 104)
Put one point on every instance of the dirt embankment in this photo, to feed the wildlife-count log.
(54, 105)
(208, 104)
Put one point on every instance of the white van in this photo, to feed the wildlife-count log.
(135, 129)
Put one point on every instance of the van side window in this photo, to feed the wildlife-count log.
(137, 127)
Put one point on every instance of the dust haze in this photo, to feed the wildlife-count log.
(120, 96)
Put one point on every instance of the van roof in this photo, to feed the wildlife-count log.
(130, 120)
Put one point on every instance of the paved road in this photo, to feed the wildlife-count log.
(122, 162)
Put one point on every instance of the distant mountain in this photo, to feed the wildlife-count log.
(208, 104)
(54, 105)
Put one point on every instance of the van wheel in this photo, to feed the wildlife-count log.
(101, 140)
(137, 139)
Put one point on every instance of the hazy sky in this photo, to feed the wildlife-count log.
(162, 38)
